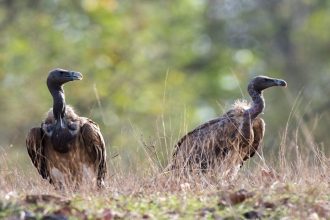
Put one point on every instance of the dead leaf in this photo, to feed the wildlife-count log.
(70, 211)
(252, 215)
(146, 216)
(235, 198)
(65, 211)
(265, 204)
(109, 214)
(269, 205)
(37, 199)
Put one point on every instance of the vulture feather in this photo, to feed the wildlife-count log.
(67, 149)
(230, 139)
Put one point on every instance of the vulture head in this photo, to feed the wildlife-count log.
(58, 77)
(260, 83)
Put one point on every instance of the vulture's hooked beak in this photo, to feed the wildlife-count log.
(280, 82)
(74, 75)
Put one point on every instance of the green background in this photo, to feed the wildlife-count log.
(154, 70)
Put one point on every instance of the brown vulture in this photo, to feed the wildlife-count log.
(228, 140)
(67, 149)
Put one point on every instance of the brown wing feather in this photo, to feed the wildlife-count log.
(196, 130)
(259, 131)
(94, 143)
(227, 118)
(211, 140)
(35, 148)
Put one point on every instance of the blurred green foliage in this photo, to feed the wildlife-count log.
(155, 69)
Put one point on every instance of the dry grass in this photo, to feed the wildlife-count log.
(292, 184)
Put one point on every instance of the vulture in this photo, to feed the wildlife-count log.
(227, 140)
(67, 149)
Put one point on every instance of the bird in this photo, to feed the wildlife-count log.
(67, 149)
(227, 140)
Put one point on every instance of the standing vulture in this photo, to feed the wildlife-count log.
(67, 149)
(227, 140)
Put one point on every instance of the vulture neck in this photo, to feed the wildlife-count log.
(58, 104)
(258, 105)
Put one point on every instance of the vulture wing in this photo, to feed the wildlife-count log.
(197, 131)
(94, 143)
(258, 131)
(35, 148)
(213, 138)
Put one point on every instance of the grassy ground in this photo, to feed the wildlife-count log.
(293, 184)
(285, 201)
(257, 193)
